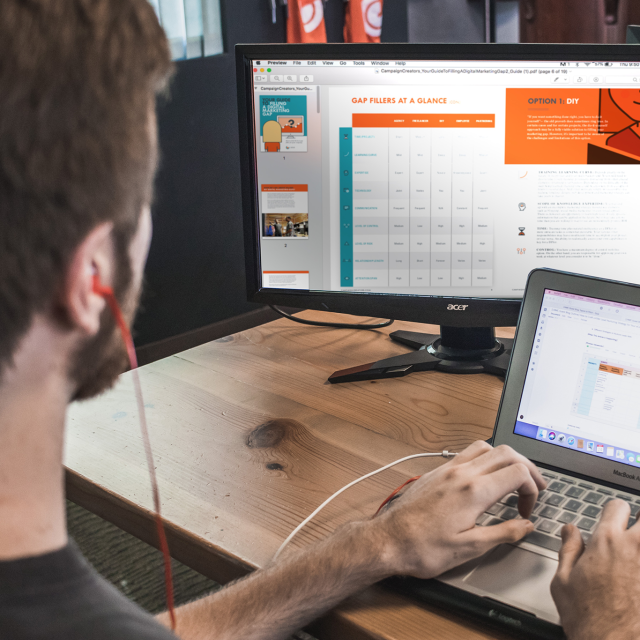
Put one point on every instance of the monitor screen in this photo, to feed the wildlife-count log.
(444, 178)
(583, 378)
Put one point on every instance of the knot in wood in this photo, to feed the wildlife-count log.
(274, 466)
(272, 433)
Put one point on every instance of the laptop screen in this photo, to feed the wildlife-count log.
(582, 389)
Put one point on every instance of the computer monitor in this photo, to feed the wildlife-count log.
(424, 182)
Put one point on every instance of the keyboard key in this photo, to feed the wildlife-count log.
(542, 540)
(586, 524)
(574, 492)
(622, 496)
(482, 518)
(566, 517)
(634, 509)
(608, 500)
(573, 505)
(509, 514)
(557, 487)
(631, 522)
(490, 523)
(586, 537)
(548, 512)
(593, 498)
(534, 518)
(494, 509)
(548, 474)
(567, 480)
(605, 491)
(592, 511)
(511, 500)
(584, 485)
(555, 500)
(547, 526)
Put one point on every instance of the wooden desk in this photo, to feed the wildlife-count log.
(249, 438)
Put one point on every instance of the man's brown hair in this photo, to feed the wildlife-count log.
(77, 86)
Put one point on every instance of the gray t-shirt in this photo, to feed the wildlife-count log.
(59, 596)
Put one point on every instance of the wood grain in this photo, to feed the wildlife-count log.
(249, 438)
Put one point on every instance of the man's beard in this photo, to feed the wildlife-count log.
(98, 363)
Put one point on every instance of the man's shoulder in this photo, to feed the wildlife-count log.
(59, 595)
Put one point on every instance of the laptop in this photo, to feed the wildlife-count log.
(571, 404)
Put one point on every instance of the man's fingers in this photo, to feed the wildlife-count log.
(515, 477)
(572, 548)
(615, 516)
(484, 459)
(478, 448)
(504, 456)
(510, 531)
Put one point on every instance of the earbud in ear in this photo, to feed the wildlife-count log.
(97, 285)
(100, 289)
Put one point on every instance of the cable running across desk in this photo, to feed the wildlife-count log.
(444, 454)
(335, 325)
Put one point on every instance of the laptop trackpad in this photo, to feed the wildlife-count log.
(518, 577)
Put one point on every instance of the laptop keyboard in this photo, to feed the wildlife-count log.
(566, 500)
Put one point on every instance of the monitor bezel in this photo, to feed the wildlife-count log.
(479, 312)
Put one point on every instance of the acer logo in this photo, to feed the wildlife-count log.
(457, 307)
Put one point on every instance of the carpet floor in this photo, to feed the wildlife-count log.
(133, 566)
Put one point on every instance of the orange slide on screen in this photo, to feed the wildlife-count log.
(572, 126)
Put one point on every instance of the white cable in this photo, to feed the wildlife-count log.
(444, 454)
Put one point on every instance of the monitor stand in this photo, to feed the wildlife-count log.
(455, 350)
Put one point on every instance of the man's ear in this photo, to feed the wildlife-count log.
(94, 255)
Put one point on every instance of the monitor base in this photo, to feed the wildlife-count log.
(455, 350)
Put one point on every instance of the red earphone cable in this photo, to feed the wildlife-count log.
(108, 295)
(395, 493)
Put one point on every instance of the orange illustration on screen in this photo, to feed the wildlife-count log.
(272, 136)
(627, 101)
(572, 126)
(291, 124)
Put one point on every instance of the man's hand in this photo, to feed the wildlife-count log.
(432, 528)
(596, 589)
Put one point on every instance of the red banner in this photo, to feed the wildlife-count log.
(306, 21)
(363, 21)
